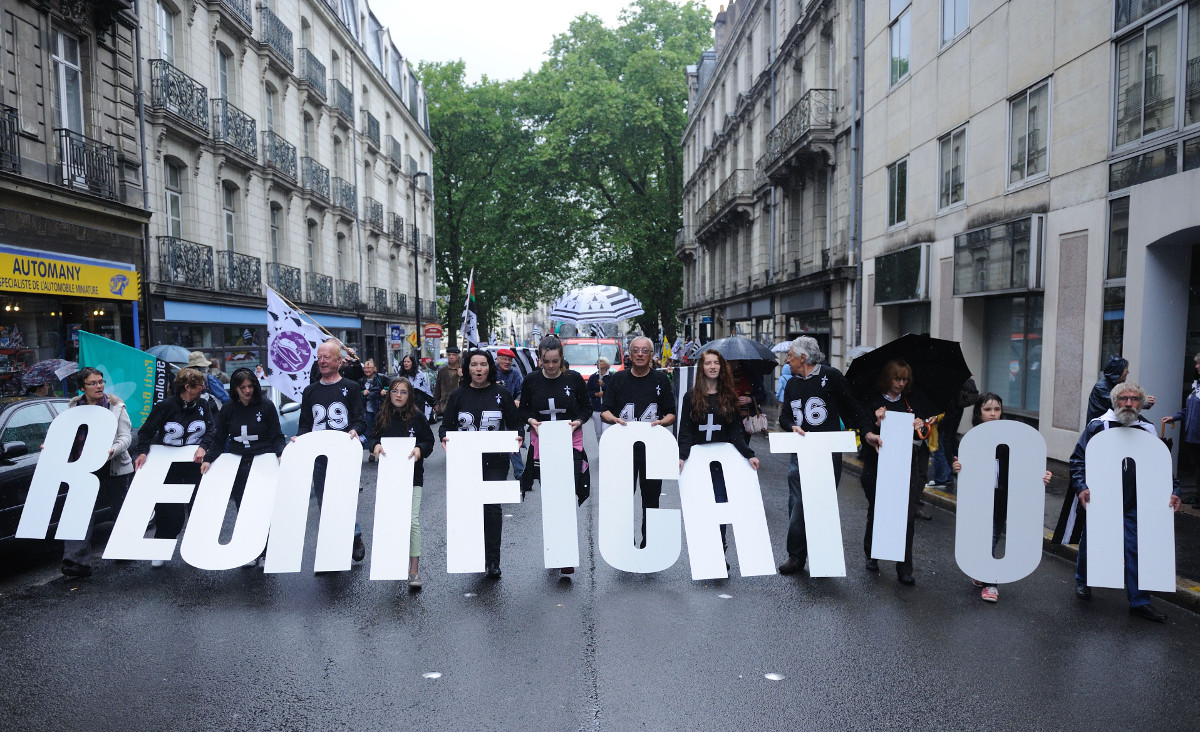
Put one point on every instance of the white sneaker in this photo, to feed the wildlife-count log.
(414, 581)
(157, 562)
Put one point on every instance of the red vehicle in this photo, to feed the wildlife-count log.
(582, 354)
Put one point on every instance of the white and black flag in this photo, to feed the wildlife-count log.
(292, 343)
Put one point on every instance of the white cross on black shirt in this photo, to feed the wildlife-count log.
(245, 438)
(552, 413)
(709, 428)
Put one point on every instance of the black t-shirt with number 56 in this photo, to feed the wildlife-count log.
(639, 399)
(337, 406)
(818, 402)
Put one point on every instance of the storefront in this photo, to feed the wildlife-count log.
(46, 298)
(806, 313)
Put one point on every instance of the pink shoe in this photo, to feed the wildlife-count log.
(990, 594)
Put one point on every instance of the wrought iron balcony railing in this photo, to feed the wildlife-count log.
(279, 154)
(347, 294)
(373, 213)
(319, 288)
(187, 263)
(430, 308)
(276, 35)
(239, 273)
(234, 127)
(311, 71)
(86, 165)
(173, 91)
(240, 10)
(397, 227)
(284, 279)
(685, 240)
(342, 100)
(371, 128)
(400, 303)
(737, 184)
(395, 158)
(10, 150)
(427, 246)
(377, 300)
(814, 110)
(344, 196)
(314, 178)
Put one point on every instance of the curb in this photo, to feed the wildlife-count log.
(1187, 591)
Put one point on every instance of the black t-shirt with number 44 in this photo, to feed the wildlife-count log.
(337, 406)
(639, 399)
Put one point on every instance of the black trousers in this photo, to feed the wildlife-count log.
(169, 518)
(494, 468)
(651, 489)
(915, 486)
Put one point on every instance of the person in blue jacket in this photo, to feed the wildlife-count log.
(1190, 415)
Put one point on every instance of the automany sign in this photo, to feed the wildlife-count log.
(274, 509)
(44, 274)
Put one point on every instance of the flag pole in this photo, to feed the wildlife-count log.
(296, 307)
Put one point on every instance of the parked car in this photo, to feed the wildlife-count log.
(582, 354)
(24, 422)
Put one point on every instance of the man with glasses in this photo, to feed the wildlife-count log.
(640, 394)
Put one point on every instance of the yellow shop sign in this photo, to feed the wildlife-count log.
(45, 275)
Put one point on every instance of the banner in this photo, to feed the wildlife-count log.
(291, 347)
(138, 378)
(46, 274)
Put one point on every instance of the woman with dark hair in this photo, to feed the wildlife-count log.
(249, 425)
(710, 414)
(374, 389)
(895, 384)
(400, 417)
(481, 404)
(422, 395)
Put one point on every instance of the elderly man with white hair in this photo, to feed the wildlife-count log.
(815, 399)
(1126, 412)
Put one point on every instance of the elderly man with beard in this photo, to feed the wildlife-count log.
(1127, 400)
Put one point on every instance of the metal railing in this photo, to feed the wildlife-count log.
(311, 71)
(86, 165)
(319, 288)
(279, 154)
(395, 158)
(377, 300)
(430, 308)
(10, 149)
(285, 280)
(373, 213)
(737, 184)
(276, 35)
(397, 227)
(239, 273)
(173, 91)
(234, 127)
(347, 294)
(314, 178)
(427, 246)
(241, 9)
(187, 263)
(814, 110)
(414, 233)
(342, 100)
(400, 303)
(344, 195)
(371, 128)
(685, 239)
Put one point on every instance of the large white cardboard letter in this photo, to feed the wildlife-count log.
(467, 492)
(149, 488)
(53, 469)
(1105, 455)
(663, 537)
(891, 487)
(703, 516)
(976, 501)
(339, 504)
(201, 546)
(560, 527)
(393, 509)
(818, 493)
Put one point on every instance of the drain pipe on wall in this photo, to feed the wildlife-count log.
(856, 173)
(141, 112)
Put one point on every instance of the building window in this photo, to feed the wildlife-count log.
(269, 100)
(68, 81)
(1003, 257)
(954, 18)
(952, 163)
(224, 61)
(901, 276)
(307, 136)
(1112, 326)
(276, 210)
(897, 192)
(229, 215)
(1148, 69)
(337, 157)
(166, 32)
(1118, 238)
(1013, 350)
(900, 32)
(1191, 102)
(174, 196)
(1028, 138)
(341, 256)
(312, 246)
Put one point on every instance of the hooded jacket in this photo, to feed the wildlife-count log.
(1100, 402)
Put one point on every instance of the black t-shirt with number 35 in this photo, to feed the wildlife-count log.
(639, 399)
(337, 406)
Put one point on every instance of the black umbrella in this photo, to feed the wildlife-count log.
(752, 353)
(939, 371)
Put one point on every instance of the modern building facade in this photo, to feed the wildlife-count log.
(72, 214)
(1031, 175)
(767, 239)
(287, 146)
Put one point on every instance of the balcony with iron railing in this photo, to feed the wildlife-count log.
(277, 37)
(812, 114)
(319, 288)
(237, 11)
(279, 155)
(311, 72)
(314, 178)
(180, 95)
(400, 304)
(285, 280)
(344, 196)
(427, 246)
(235, 128)
(736, 187)
(371, 129)
(342, 101)
(239, 274)
(185, 263)
(397, 227)
(377, 300)
(347, 295)
(373, 214)
(86, 165)
(430, 308)
(10, 149)
(394, 155)
(685, 241)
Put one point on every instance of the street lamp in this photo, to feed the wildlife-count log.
(412, 182)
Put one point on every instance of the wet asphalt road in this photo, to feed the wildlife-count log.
(138, 649)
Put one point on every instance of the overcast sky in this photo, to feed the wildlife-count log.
(500, 39)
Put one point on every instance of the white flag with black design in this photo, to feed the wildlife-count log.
(292, 345)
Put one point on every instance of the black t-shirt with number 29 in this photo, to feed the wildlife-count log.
(337, 406)
(639, 399)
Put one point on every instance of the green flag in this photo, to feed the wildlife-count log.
(138, 378)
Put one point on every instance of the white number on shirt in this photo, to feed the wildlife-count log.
(338, 414)
(173, 433)
(814, 411)
(649, 415)
(489, 421)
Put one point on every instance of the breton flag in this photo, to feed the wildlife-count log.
(470, 323)
(598, 331)
(292, 345)
(513, 332)
(535, 335)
